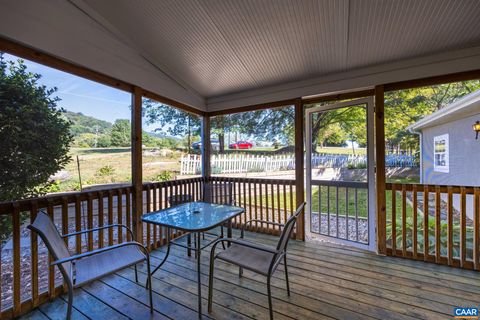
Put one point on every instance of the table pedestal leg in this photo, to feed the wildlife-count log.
(229, 231)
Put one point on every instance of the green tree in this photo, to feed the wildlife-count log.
(172, 120)
(405, 107)
(120, 133)
(34, 134)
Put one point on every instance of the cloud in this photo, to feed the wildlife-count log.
(86, 96)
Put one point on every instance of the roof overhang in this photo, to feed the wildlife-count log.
(465, 107)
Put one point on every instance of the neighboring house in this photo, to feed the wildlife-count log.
(450, 154)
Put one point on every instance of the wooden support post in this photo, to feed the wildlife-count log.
(380, 179)
(137, 194)
(206, 147)
(299, 166)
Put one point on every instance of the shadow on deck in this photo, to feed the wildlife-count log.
(327, 281)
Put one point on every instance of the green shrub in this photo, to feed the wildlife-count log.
(105, 171)
(162, 176)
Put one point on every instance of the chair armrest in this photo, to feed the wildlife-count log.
(245, 244)
(94, 252)
(99, 228)
(242, 230)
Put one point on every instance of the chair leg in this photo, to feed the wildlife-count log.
(221, 234)
(189, 243)
(269, 291)
(240, 272)
(136, 274)
(286, 274)
(210, 282)
(70, 302)
(149, 280)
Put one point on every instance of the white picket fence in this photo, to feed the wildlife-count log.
(240, 163)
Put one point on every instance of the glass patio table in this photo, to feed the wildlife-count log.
(193, 217)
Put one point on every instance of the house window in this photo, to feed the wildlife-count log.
(440, 153)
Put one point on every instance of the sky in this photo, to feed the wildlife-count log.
(81, 95)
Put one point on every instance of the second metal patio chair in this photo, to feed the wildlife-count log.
(81, 269)
(255, 257)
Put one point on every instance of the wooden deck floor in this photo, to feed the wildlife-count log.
(327, 281)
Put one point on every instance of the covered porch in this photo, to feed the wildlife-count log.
(233, 57)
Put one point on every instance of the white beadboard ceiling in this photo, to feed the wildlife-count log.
(224, 46)
(224, 50)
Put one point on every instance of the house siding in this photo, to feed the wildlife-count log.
(464, 153)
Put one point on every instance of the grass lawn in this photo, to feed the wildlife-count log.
(342, 202)
(112, 165)
(341, 150)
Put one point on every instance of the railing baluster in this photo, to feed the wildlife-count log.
(404, 221)
(155, 227)
(148, 225)
(101, 238)
(414, 224)
(51, 269)
(34, 255)
(476, 229)
(261, 206)
(78, 224)
(16, 260)
(425, 223)
(394, 221)
(255, 204)
(120, 214)
(328, 210)
(279, 207)
(463, 226)
(356, 213)
(110, 217)
(438, 233)
(337, 234)
(347, 219)
(90, 221)
(450, 226)
(161, 190)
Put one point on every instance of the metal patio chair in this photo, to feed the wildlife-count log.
(78, 270)
(258, 258)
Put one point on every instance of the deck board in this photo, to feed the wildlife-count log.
(328, 281)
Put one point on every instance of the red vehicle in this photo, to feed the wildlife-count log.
(241, 145)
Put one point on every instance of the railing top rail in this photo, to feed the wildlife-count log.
(171, 182)
(342, 184)
(58, 199)
(253, 180)
(430, 187)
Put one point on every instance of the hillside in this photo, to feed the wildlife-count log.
(86, 124)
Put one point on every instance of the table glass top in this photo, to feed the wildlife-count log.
(193, 216)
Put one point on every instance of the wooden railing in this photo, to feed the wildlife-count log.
(449, 234)
(27, 280)
(263, 199)
(340, 209)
